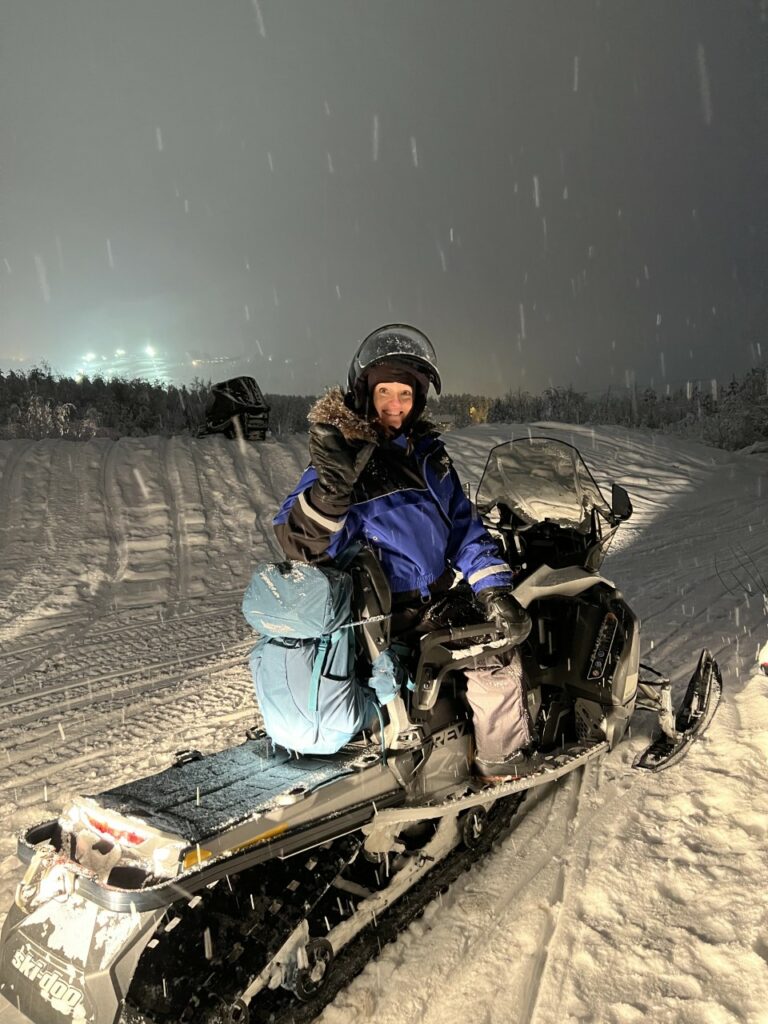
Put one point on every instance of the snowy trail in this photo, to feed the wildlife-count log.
(618, 897)
(123, 636)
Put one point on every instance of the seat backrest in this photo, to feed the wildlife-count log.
(371, 602)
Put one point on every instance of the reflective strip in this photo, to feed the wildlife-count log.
(334, 525)
(493, 570)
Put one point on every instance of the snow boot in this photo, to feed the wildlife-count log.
(521, 763)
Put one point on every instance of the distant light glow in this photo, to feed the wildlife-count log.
(149, 350)
(119, 351)
(89, 357)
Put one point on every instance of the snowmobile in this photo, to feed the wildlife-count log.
(252, 884)
(236, 409)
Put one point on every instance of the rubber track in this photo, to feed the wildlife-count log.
(210, 1006)
(366, 946)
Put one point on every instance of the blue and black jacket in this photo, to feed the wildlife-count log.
(408, 506)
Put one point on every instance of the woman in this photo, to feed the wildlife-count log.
(380, 475)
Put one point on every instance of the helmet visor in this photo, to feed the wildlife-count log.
(399, 342)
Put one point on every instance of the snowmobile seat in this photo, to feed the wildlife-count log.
(200, 798)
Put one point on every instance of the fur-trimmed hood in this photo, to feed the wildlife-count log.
(331, 408)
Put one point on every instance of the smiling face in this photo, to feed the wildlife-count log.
(393, 402)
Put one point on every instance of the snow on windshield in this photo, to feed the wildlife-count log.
(540, 478)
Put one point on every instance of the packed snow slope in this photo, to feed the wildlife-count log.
(619, 897)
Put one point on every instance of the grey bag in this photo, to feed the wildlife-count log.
(498, 696)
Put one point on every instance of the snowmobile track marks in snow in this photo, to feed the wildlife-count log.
(144, 646)
(117, 559)
(121, 706)
(155, 659)
(41, 572)
(188, 516)
(179, 574)
(256, 482)
(10, 491)
(540, 964)
(132, 681)
(84, 646)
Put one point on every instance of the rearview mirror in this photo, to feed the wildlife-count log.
(621, 506)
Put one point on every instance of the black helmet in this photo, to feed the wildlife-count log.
(401, 345)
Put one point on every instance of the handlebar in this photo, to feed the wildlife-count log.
(437, 657)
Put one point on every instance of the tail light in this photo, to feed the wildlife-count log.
(120, 835)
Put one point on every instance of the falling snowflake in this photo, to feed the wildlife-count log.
(706, 99)
(375, 137)
(42, 278)
(259, 18)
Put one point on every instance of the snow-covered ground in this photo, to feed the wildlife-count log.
(619, 897)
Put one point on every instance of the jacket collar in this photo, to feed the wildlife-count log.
(331, 408)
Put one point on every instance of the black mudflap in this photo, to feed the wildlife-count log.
(693, 717)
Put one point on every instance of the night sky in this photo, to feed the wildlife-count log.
(556, 191)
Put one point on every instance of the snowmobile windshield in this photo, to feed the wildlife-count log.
(541, 480)
(239, 391)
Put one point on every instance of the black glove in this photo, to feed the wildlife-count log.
(506, 611)
(338, 463)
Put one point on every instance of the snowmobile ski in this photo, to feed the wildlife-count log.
(693, 717)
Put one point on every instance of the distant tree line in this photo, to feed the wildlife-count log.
(288, 413)
(40, 404)
(727, 417)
